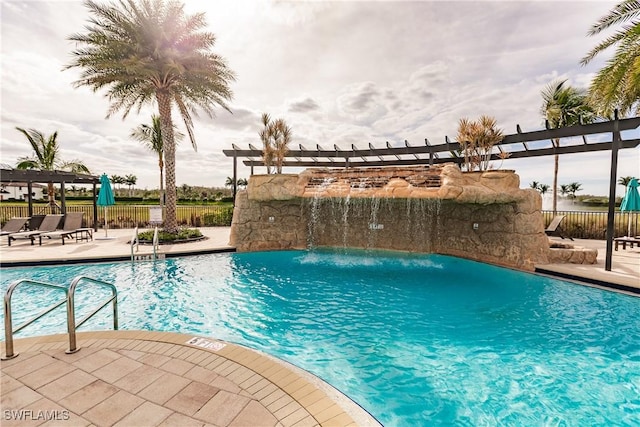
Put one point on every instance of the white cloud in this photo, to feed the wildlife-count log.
(341, 73)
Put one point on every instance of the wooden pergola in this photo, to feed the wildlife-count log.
(31, 176)
(601, 136)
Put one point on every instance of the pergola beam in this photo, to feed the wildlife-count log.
(523, 138)
(569, 149)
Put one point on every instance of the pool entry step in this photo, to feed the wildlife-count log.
(69, 299)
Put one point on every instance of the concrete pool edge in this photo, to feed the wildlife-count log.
(117, 258)
(589, 281)
(292, 395)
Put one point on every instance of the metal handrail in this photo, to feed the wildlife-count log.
(71, 318)
(155, 244)
(8, 320)
(134, 241)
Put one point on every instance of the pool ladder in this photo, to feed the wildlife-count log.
(135, 241)
(69, 299)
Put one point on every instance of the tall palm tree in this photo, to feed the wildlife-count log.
(151, 51)
(46, 157)
(617, 85)
(151, 137)
(563, 105)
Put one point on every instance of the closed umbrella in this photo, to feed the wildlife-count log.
(631, 201)
(105, 198)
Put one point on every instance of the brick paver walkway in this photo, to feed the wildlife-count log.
(131, 378)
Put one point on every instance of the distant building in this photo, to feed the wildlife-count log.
(18, 191)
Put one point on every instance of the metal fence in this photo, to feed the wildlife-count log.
(593, 225)
(131, 216)
(577, 224)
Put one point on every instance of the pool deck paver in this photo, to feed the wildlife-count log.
(142, 378)
(625, 269)
(123, 378)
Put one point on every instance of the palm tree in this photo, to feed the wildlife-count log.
(617, 85)
(543, 189)
(281, 134)
(534, 185)
(242, 182)
(265, 137)
(228, 182)
(563, 106)
(624, 181)
(276, 137)
(151, 137)
(574, 187)
(477, 138)
(186, 191)
(130, 180)
(151, 51)
(564, 190)
(46, 157)
(117, 179)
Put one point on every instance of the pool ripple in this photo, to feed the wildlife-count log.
(416, 340)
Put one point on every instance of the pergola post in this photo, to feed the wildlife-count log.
(29, 198)
(235, 178)
(95, 206)
(612, 191)
(63, 200)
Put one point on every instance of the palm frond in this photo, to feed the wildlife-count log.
(623, 12)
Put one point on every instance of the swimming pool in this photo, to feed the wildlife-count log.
(414, 339)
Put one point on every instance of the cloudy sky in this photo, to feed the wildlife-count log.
(341, 72)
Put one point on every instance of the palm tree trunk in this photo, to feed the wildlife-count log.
(164, 107)
(161, 166)
(52, 197)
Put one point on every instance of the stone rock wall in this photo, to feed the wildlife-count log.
(481, 216)
(261, 225)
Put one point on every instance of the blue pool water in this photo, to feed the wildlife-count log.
(414, 339)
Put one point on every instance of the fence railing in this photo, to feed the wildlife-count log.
(593, 225)
(131, 216)
(578, 224)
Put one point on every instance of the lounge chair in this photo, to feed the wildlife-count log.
(554, 228)
(14, 225)
(34, 222)
(630, 240)
(49, 223)
(72, 227)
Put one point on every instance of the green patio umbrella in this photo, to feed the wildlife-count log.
(631, 201)
(105, 199)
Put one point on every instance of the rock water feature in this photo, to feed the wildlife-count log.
(483, 216)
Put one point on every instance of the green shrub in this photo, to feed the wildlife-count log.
(163, 236)
(218, 219)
